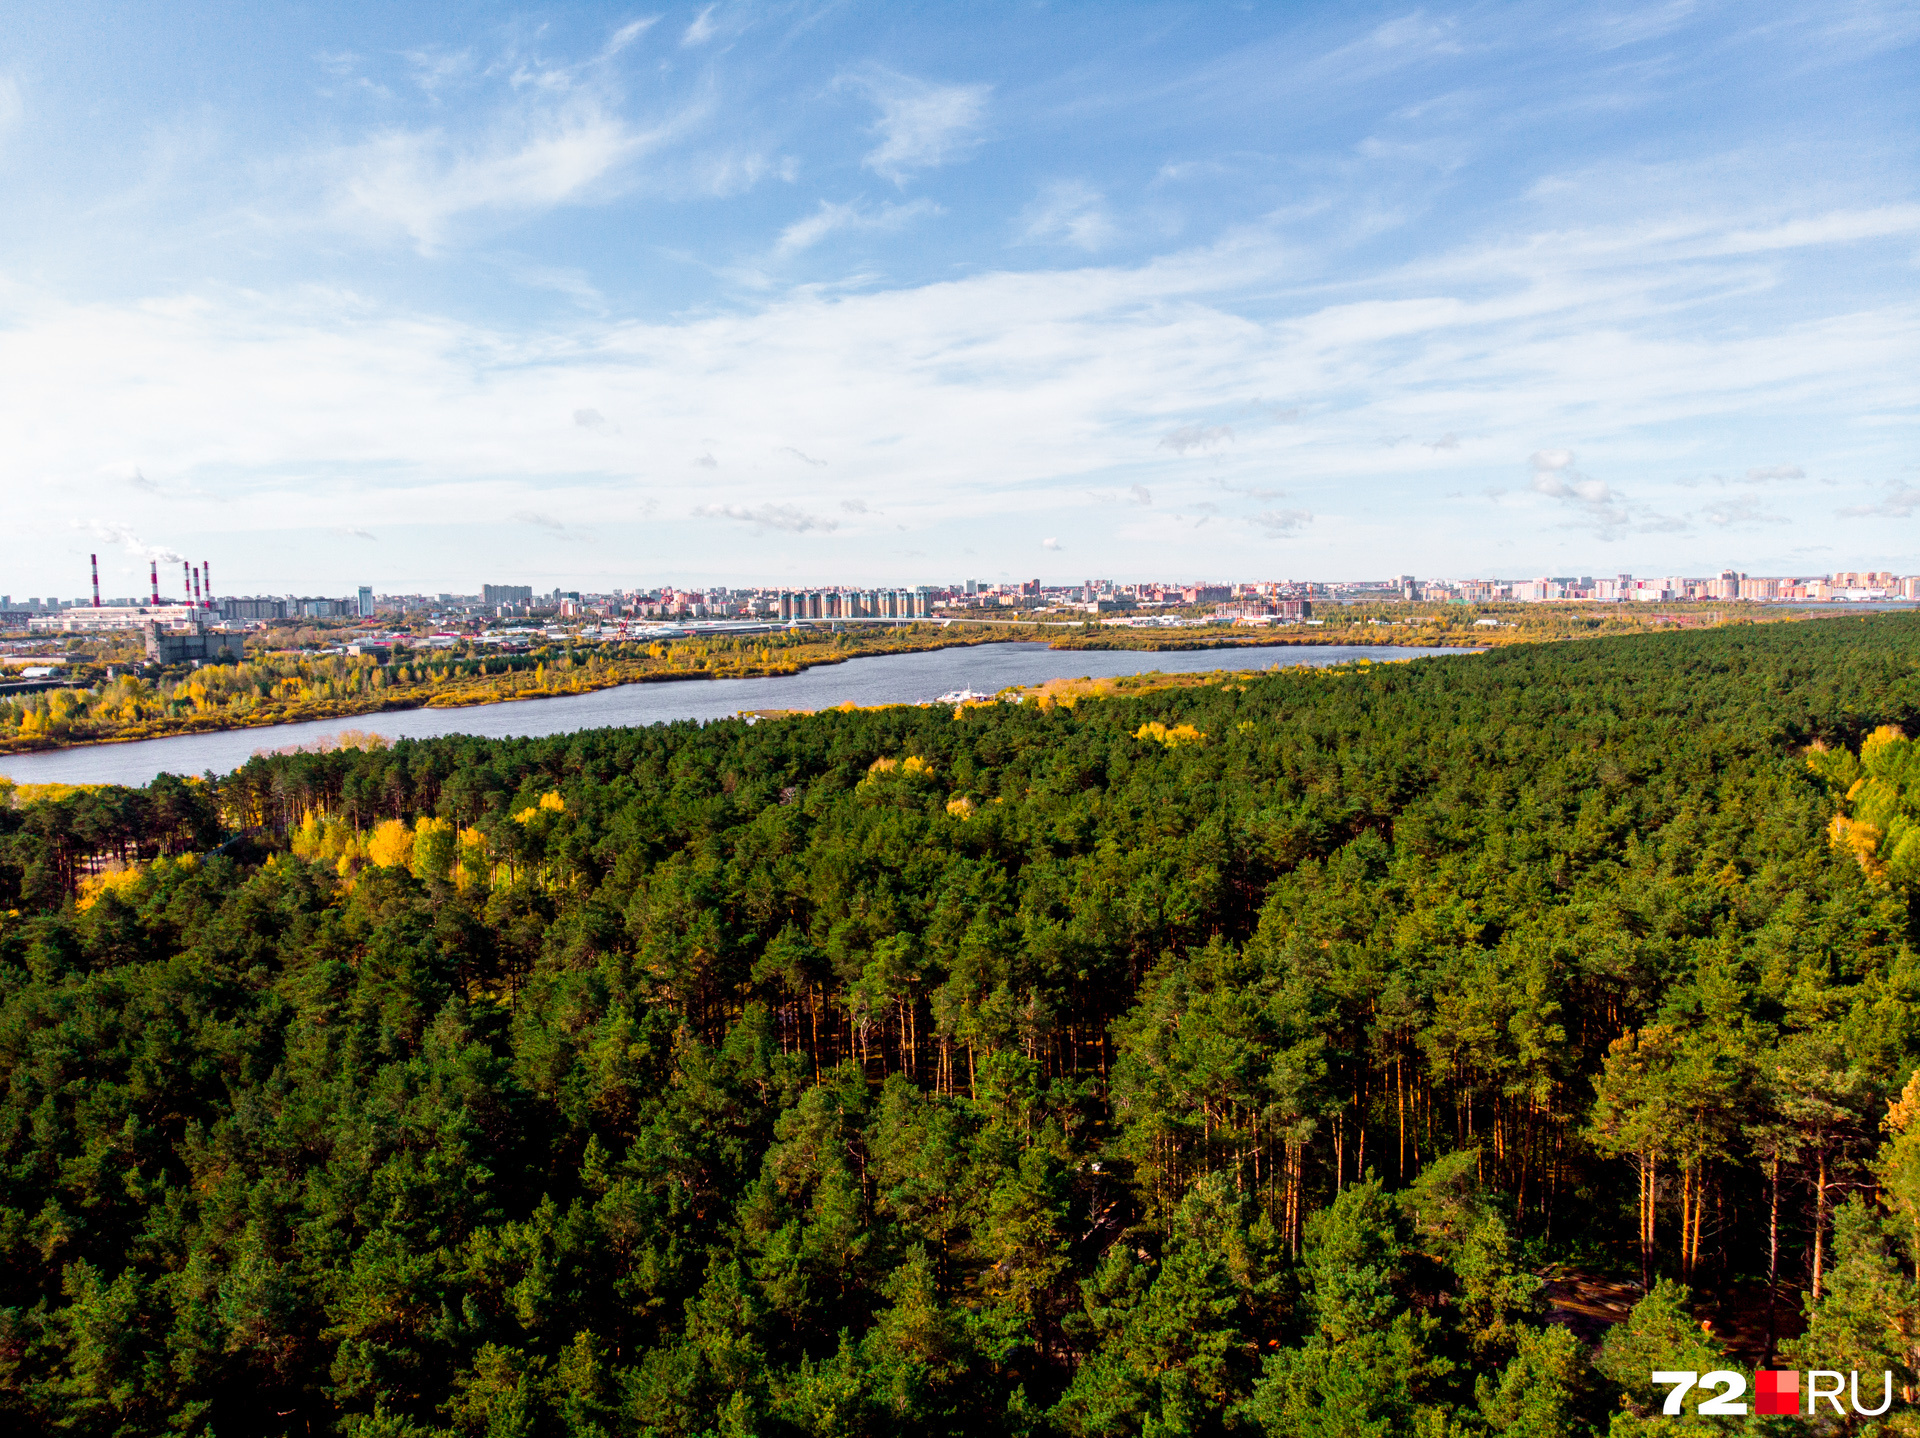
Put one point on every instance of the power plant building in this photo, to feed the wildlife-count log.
(85, 619)
(195, 646)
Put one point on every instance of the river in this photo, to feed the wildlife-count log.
(882, 679)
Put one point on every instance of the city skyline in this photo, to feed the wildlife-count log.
(799, 295)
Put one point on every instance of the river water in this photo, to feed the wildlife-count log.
(883, 679)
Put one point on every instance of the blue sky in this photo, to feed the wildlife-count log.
(429, 296)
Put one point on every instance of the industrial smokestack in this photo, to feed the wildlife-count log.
(194, 598)
(153, 576)
(186, 582)
(206, 573)
(96, 579)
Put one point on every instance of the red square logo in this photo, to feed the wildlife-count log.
(1776, 1390)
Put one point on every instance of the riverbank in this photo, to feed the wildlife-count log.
(324, 688)
(270, 691)
(907, 678)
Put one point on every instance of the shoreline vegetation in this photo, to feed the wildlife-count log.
(289, 680)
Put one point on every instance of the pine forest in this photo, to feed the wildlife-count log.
(1299, 1053)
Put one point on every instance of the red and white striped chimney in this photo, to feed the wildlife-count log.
(96, 579)
(186, 582)
(206, 573)
(153, 576)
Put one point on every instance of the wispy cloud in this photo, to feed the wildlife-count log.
(1902, 501)
(1738, 513)
(423, 182)
(120, 535)
(539, 520)
(831, 218)
(1769, 473)
(1191, 437)
(1280, 522)
(803, 457)
(922, 124)
(1069, 212)
(783, 517)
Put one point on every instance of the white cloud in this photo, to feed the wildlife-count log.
(422, 182)
(1740, 512)
(922, 124)
(763, 517)
(1279, 522)
(1776, 472)
(125, 538)
(993, 399)
(1050, 544)
(1902, 502)
(1069, 212)
(1191, 437)
(702, 29)
(831, 218)
(627, 34)
(1598, 507)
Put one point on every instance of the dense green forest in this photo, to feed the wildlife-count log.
(1229, 1059)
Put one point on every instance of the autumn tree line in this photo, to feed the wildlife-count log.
(1230, 1058)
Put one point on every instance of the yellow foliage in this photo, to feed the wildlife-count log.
(360, 739)
(325, 840)
(113, 881)
(1172, 737)
(1860, 840)
(1879, 739)
(911, 767)
(391, 846)
(474, 867)
(1902, 1112)
(24, 794)
(549, 804)
(961, 807)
